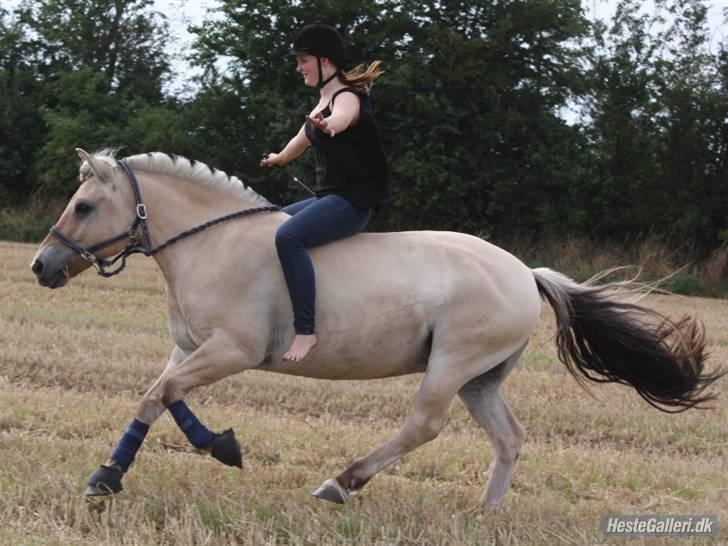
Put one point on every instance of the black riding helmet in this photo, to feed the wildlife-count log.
(321, 40)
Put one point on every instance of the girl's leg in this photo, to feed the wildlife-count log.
(327, 219)
(298, 206)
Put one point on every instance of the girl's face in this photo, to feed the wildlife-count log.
(307, 66)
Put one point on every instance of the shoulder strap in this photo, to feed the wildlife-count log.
(350, 89)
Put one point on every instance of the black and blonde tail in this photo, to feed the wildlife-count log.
(606, 340)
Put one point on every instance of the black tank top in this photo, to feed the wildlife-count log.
(352, 163)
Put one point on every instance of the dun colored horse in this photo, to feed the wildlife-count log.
(448, 305)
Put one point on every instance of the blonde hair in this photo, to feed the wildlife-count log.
(362, 77)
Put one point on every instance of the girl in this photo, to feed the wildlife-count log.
(351, 170)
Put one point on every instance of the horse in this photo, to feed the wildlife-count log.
(447, 305)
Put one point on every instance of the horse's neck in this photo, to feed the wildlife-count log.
(175, 205)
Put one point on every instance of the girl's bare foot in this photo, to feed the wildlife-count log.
(299, 348)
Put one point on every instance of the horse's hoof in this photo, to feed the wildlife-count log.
(332, 491)
(105, 481)
(95, 491)
(226, 449)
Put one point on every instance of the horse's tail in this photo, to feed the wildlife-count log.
(606, 340)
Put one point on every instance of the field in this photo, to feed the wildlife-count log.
(74, 363)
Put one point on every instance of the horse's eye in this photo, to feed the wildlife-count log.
(83, 208)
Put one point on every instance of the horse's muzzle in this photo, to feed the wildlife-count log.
(50, 266)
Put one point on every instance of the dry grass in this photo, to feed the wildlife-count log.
(685, 269)
(74, 363)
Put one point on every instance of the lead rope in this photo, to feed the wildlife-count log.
(201, 227)
(135, 248)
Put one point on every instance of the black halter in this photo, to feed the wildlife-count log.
(145, 245)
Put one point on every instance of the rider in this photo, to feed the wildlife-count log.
(351, 170)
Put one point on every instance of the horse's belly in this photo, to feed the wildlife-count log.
(383, 316)
(361, 344)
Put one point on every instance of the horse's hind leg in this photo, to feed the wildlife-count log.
(485, 403)
(439, 387)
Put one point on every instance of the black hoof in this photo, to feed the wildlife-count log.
(105, 481)
(226, 449)
(332, 491)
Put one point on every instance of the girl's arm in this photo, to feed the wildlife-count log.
(345, 112)
(295, 147)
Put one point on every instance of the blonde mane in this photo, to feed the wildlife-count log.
(180, 167)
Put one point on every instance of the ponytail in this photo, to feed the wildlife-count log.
(362, 77)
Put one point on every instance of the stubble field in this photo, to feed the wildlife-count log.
(74, 363)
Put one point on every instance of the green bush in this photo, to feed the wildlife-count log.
(28, 224)
(685, 284)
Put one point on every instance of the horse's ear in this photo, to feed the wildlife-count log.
(100, 169)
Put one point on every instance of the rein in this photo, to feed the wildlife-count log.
(145, 245)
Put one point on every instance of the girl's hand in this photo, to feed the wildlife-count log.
(322, 123)
(270, 160)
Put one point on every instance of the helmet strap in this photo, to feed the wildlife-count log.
(321, 81)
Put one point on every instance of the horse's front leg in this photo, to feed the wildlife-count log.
(107, 479)
(216, 358)
(212, 361)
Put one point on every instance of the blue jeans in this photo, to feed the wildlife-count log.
(314, 222)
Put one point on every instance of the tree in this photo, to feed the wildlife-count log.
(483, 84)
(657, 112)
(99, 67)
(120, 38)
(622, 113)
(693, 113)
(21, 127)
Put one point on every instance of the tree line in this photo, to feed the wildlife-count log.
(499, 117)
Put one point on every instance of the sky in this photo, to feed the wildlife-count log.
(181, 14)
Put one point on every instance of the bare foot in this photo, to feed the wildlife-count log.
(299, 348)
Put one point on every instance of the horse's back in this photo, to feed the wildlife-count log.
(389, 297)
(442, 264)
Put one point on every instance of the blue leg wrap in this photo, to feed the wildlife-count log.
(129, 444)
(197, 433)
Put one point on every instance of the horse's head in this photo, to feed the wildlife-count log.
(101, 209)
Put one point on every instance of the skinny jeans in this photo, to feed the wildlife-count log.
(313, 222)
